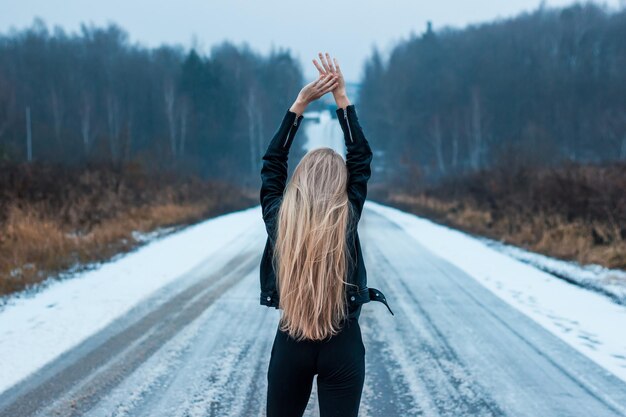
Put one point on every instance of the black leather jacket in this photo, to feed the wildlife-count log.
(274, 179)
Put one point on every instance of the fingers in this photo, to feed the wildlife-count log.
(319, 67)
(327, 81)
(324, 63)
(337, 65)
(330, 63)
(331, 87)
(323, 91)
(323, 79)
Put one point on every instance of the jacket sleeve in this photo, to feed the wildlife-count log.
(274, 167)
(358, 156)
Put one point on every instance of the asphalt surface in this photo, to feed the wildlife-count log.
(200, 347)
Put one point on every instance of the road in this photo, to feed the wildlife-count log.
(200, 347)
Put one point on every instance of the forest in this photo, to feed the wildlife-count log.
(538, 89)
(94, 97)
(513, 129)
(103, 141)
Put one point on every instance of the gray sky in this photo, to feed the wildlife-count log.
(347, 29)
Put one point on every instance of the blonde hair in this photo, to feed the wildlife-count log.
(311, 255)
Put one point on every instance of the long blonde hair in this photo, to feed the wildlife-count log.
(311, 255)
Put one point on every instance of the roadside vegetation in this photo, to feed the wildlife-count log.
(513, 129)
(103, 140)
(573, 212)
(54, 218)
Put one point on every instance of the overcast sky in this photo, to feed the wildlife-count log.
(347, 29)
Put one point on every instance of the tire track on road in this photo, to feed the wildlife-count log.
(473, 353)
(452, 349)
(447, 382)
(163, 323)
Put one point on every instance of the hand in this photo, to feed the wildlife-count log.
(312, 91)
(332, 67)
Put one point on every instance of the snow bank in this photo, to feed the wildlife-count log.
(39, 327)
(589, 322)
(610, 282)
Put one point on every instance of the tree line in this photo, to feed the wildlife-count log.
(93, 96)
(538, 89)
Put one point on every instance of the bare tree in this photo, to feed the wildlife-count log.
(169, 98)
(251, 110)
(56, 108)
(437, 144)
(477, 134)
(114, 126)
(183, 116)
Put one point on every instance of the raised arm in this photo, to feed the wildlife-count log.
(358, 152)
(274, 169)
(358, 156)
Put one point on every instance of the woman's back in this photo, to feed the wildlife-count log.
(274, 184)
(312, 266)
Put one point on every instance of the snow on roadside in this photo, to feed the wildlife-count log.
(591, 323)
(36, 329)
(610, 282)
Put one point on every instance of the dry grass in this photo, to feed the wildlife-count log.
(573, 213)
(44, 236)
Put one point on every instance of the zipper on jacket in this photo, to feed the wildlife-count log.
(295, 123)
(345, 117)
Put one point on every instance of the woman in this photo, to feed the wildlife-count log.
(312, 267)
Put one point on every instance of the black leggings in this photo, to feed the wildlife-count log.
(339, 363)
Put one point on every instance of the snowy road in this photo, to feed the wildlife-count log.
(200, 347)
